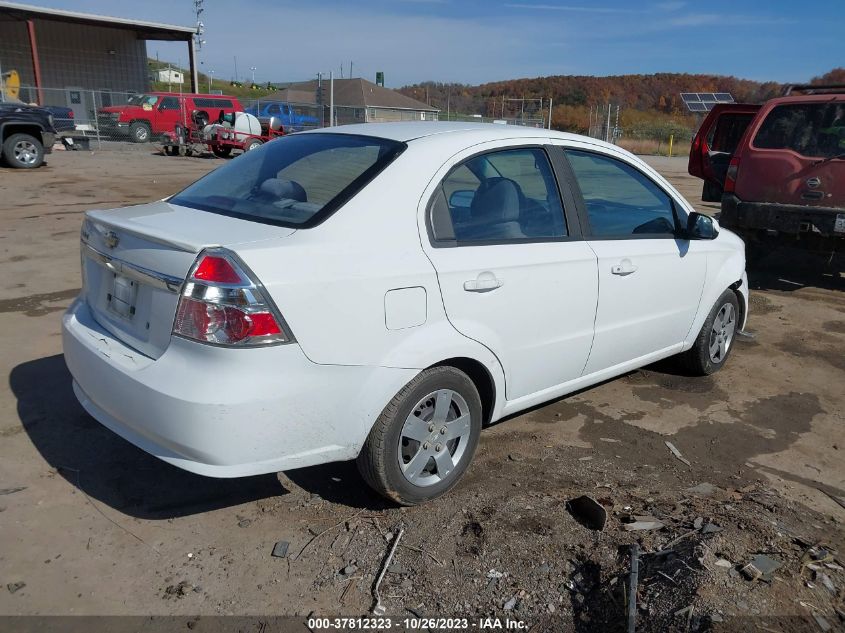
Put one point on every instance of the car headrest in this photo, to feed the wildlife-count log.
(497, 201)
(284, 189)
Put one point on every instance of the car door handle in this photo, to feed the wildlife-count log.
(625, 267)
(485, 282)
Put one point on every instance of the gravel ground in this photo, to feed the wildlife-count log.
(91, 525)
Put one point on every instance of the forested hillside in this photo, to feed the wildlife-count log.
(646, 101)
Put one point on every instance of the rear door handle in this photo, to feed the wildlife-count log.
(485, 282)
(625, 267)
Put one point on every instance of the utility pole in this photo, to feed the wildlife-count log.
(210, 79)
(550, 113)
(253, 69)
(607, 133)
(331, 99)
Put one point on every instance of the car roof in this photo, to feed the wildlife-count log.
(412, 130)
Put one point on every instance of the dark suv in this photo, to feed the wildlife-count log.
(778, 168)
(27, 133)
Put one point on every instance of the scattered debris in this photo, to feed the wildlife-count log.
(379, 608)
(11, 491)
(280, 549)
(510, 604)
(761, 567)
(14, 587)
(722, 562)
(827, 582)
(612, 440)
(703, 490)
(676, 452)
(698, 523)
(495, 574)
(349, 569)
(244, 523)
(588, 512)
(178, 591)
(633, 582)
(643, 523)
(711, 528)
(586, 458)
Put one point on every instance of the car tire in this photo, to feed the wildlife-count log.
(431, 427)
(715, 341)
(23, 151)
(252, 144)
(221, 152)
(140, 132)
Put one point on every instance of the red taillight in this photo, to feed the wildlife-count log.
(223, 304)
(70, 114)
(731, 174)
(217, 270)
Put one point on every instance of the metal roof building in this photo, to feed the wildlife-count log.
(64, 57)
(359, 101)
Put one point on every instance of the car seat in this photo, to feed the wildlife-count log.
(495, 211)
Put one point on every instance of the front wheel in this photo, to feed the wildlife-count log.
(425, 438)
(23, 151)
(715, 340)
(252, 144)
(139, 132)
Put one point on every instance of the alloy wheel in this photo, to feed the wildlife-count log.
(722, 333)
(25, 152)
(434, 437)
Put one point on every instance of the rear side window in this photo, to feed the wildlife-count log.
(809, 129)
(295, 181)
(620, 200)
(205, 102)
(510, 195)
(169, 103)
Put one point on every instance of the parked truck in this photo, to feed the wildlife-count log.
(778, 169)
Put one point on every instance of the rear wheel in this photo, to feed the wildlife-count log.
(139, 132)
(715, 340)
(23, 151)
(221, 151)
(251, 144)
(425, 438)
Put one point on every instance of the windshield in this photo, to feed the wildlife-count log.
(295, 181)
(142, 100)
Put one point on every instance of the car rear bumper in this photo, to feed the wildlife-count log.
(225, 412)
(784, 218)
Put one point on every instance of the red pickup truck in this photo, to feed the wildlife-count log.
(778, 168)
(148, 116)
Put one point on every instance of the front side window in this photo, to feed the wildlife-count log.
(508, 195)
(811, 129)
(294, 181)
(169, 103)
(620, 200)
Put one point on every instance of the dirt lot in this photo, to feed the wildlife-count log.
(91, 525)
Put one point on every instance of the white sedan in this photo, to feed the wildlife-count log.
(381, 292)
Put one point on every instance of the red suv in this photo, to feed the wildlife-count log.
(778, 168)
(148, 116)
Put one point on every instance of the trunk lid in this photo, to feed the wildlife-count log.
(715, 143)
(135, 259)
(796, 154)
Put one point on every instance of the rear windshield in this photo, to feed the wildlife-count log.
(296, 181)
(810, 129)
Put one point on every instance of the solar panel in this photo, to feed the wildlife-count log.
(704, 101)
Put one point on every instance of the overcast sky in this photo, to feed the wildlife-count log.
(475, 41)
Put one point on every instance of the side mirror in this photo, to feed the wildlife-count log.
(461, 199)
(701, 227)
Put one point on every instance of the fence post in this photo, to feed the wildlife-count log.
(671, 140)
(96, 120)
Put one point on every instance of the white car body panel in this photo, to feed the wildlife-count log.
(371, 303)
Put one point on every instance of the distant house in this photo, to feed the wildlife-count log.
(169, 76)
(358, 101)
